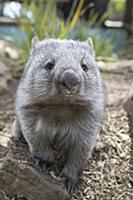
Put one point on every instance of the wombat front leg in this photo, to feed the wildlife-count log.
(76, 155)
(37, 137)
(41, 151)
(17, 132)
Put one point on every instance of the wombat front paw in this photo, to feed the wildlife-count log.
(71, 181)
(44, 160)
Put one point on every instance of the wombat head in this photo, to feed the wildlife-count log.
(62, 69)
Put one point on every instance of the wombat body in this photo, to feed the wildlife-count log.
(59, 102)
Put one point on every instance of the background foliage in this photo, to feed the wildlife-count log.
(43, 20)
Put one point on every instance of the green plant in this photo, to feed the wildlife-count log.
(42, 20)
(117, 5)
(37, 20)
(103, 46)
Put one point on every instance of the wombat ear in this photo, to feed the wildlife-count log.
(90, 44)
(35, 41)
(89, 41)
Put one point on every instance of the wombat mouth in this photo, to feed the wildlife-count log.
(69, 93)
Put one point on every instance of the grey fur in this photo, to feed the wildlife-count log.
(47, 116)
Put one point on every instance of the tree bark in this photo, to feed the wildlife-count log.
(129, 109)
(16, 178)
(128, 19)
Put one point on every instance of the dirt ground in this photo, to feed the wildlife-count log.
(107, 174)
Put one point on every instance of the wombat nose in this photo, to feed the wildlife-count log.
(70, 80)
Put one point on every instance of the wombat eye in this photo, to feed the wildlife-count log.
(50, 65)
(84, 67)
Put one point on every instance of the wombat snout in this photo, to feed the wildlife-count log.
(70, 81)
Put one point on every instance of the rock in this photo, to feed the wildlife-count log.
(5, 78)
(11, 53)
(129, 108)
(3, 69)
(120, 67)
(7, 50)
(3, 196)
(17, 178)
(3, 152)
(4, 138)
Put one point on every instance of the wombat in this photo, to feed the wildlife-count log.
(59, 102)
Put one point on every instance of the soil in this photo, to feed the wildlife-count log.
(107, 175)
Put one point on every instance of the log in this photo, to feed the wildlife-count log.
(128, 106)
(17, 178)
